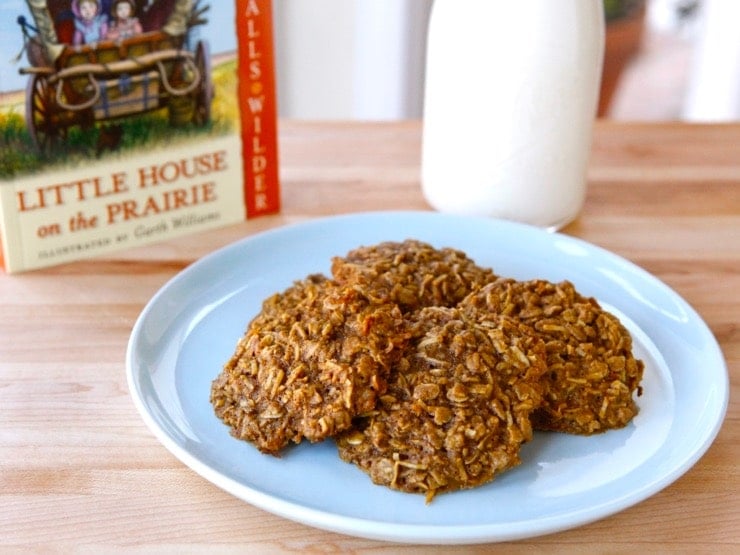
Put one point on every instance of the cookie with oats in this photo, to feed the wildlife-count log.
(457, 406)
(411, 273)
(592, 373)
(315, 356)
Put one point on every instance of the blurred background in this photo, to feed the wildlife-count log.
(364, 59)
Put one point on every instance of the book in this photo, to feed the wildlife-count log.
(127, 122)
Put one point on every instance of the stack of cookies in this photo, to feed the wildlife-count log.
(428, 370)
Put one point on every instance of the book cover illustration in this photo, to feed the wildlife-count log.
(122, 124)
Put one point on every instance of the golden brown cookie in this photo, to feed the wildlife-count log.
(592, 373)
(316, 355)
(457, 406)
(411, 273)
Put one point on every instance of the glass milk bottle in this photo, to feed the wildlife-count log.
(510, 100)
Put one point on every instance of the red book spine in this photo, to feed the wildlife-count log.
(258, 106)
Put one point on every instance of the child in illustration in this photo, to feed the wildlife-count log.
(90, 24)
(124, 24)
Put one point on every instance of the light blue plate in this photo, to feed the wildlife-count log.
(190, 327)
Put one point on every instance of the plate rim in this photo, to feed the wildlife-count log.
(414, 533)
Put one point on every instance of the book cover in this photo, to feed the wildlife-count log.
(131, 121)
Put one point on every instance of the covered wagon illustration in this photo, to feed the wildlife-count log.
(97, 61)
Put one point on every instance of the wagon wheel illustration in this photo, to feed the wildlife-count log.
(43, 126)
(204, 92)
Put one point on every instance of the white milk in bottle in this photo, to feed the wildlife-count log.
(510, 100)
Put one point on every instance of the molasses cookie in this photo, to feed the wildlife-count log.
(412, 274)
(591, 371)
(457, 407)
(316, 355)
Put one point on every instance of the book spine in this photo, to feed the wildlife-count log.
(257, 103)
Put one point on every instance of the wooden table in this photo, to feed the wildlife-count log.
(79, 471)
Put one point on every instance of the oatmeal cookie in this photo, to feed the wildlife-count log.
(592, 373)
(457, 406)
(411, 273)
(315, 356)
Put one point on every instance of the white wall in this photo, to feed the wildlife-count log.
(350, 59)
(713, 92)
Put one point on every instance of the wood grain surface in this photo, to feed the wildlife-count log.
(80, 472)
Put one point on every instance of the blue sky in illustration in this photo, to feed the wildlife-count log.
(220, 16)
